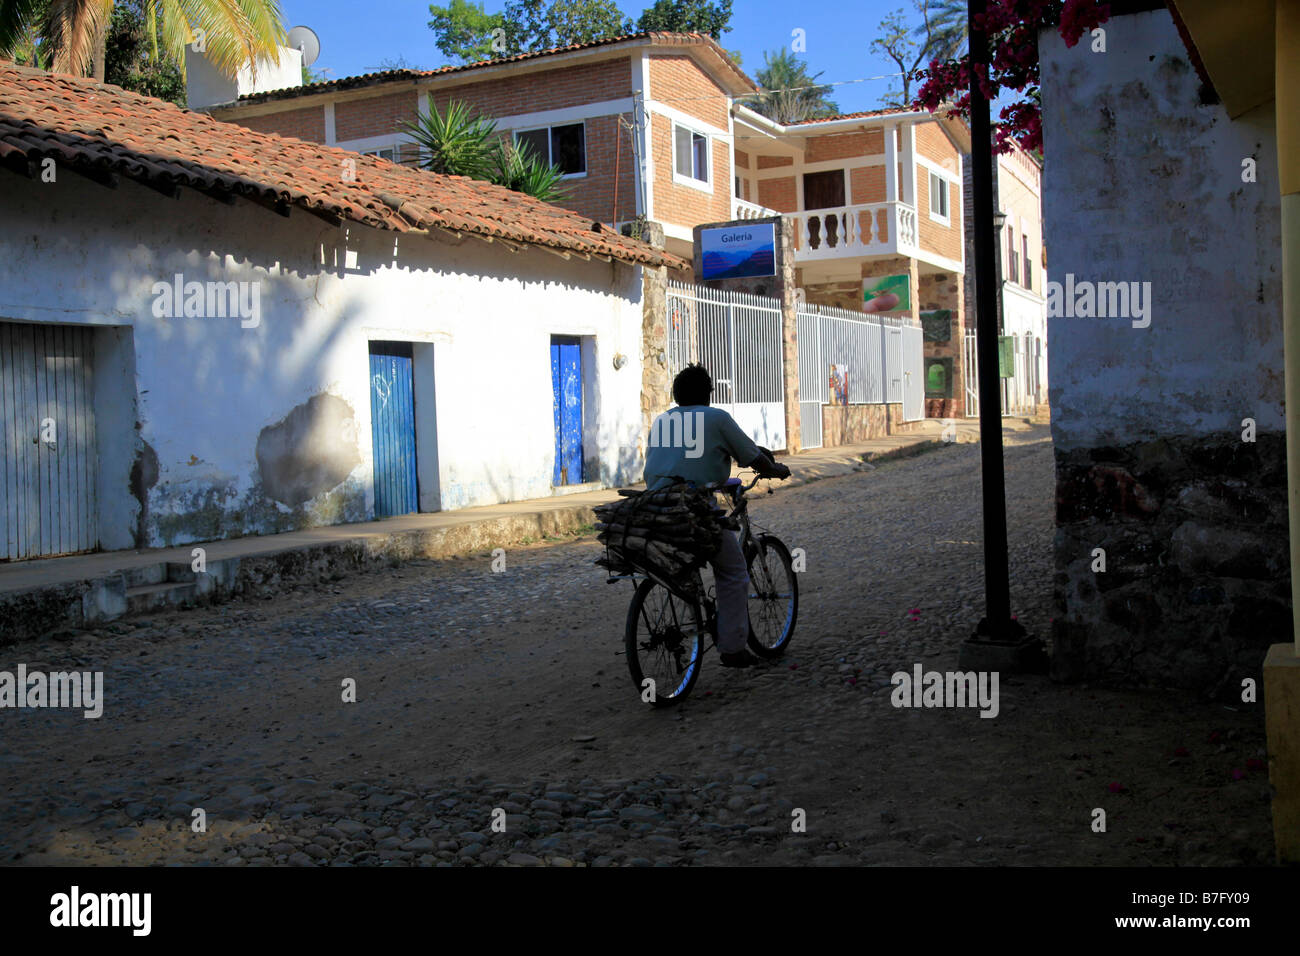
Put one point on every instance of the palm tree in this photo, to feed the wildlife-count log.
(944, 25)
(70, 35)
(790, 93)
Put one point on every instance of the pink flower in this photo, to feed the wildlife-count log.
(1115, 788)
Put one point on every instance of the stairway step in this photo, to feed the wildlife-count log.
(144, 575)
(147, 597)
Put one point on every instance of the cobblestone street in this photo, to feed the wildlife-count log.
(480, 690)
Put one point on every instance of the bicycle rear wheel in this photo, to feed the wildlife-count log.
(773, 597)
(664, 642)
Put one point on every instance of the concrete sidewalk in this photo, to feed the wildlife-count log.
(47, 596)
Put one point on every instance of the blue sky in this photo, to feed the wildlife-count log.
(358, 35)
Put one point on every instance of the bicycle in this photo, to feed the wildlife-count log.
(668, 620)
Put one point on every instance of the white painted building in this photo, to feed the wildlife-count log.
(170, 428)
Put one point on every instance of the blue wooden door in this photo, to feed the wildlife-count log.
(566, 388)
(392, 425)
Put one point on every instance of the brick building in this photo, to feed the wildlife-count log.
(655, 126)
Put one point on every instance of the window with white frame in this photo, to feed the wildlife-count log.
(939, 199)
(690, 155)
(562, 146)
(387, 152)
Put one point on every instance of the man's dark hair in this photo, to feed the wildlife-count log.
(693, 385)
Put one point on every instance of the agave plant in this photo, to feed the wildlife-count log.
(70, 34)
(459, 143)
(463, 143)
(525, 172)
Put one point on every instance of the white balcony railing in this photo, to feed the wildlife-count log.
(750, 210)
(866, 229)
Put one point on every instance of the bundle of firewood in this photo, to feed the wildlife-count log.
(670, 531)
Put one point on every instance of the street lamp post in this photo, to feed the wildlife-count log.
(999, 643)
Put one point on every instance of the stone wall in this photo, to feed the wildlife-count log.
(850, 424)
(1197, 580)
(656, 383)
(1156, 464)
(944, 290)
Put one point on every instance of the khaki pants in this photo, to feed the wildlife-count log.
(732, 592)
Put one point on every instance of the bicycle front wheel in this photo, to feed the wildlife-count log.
(773, 597)
(665, 644)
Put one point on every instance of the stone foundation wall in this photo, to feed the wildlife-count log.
(1197, 575)
(850, 424)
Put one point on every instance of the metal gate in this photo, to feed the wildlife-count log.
(392, 426)
(737, 337)
(813, 386)
(47, 434)
(911, 355)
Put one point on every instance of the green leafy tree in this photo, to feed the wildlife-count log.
(687, 16)
(72, 35)
(463, 31)
(941, 35)
(790, 93)
(128, 58)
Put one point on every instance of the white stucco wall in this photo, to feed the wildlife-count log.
(205, 85)
(1143, 183)
(75, 252)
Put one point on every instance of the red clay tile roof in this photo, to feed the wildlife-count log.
(865, 114)
(392, 76)
(103, 130)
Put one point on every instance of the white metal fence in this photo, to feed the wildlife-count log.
(853, 358)
(845, 357)
(737, 337)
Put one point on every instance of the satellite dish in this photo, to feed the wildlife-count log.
(305, 39)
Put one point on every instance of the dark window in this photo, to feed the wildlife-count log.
(562, 146)
(1029, 266)
(569, 148)
(537, 142)
(691, 154)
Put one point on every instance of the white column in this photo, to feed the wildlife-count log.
(891, 164)
(909, 164)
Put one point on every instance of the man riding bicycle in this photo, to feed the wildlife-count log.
(697, 443)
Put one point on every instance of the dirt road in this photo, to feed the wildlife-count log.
(479, 692)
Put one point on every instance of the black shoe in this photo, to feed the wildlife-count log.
(741, 658)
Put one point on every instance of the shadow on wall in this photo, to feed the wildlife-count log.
(202, 468)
